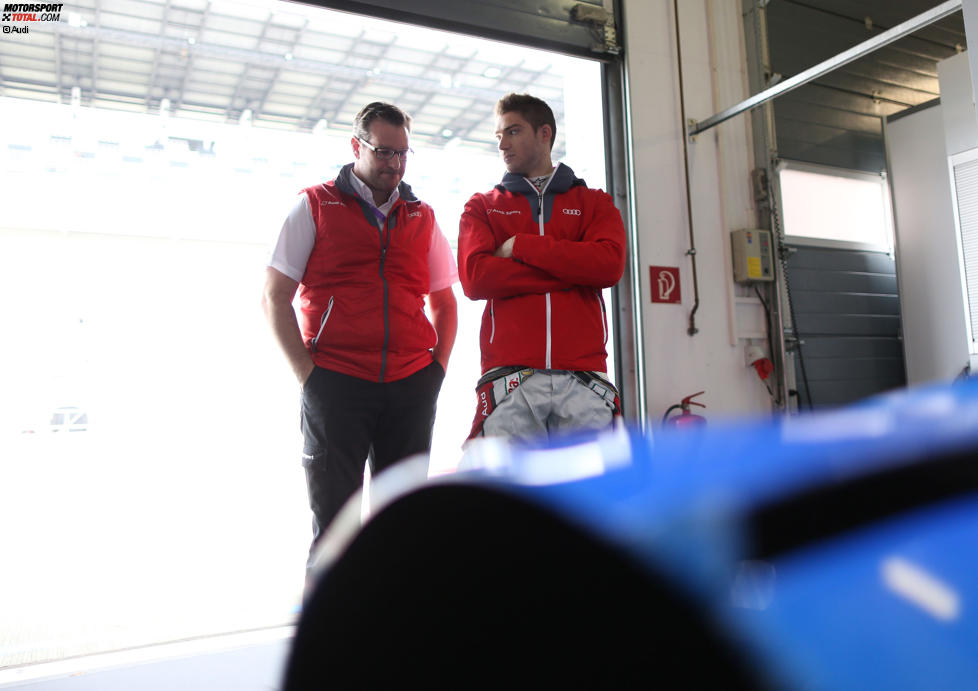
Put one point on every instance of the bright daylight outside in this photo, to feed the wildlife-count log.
(150, 480)
(859, 212)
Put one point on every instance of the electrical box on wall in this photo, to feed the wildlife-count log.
(752, 256)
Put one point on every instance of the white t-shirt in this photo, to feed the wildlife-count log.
(298, 235)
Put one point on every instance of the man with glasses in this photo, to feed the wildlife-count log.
(539, 248)
(363, 252)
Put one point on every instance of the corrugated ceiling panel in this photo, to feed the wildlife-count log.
(829, 121)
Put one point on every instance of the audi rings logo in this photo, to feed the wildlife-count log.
(572, 212)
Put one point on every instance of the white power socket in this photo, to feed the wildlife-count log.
(752, 354)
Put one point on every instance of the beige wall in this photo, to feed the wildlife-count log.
(720, 161)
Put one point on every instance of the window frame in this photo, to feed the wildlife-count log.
(832, 171)
(969, 156)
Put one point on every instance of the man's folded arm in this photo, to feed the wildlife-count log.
(596, 260)
(485, 276)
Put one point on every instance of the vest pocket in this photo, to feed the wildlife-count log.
(492, 319)
(322, 324)
(604, 316)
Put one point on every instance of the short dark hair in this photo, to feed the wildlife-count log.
(534, 110)
(378, 110)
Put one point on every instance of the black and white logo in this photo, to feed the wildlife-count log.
(31, 12)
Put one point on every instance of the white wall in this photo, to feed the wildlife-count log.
(918, 146)
(714, 77)
(960, 130)
(934, 334)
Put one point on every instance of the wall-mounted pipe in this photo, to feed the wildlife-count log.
(691, 252)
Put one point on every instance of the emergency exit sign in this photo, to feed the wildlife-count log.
(665, 284)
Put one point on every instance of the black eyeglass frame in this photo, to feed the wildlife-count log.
(385, 154)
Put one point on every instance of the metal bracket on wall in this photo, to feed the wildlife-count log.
(602, 23)
(758, 178)
(585, 12)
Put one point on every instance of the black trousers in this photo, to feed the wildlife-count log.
(346, 421)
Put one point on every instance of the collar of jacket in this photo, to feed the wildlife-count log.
(344, 185)
(562, 181)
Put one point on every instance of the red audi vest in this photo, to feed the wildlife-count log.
(362, 295)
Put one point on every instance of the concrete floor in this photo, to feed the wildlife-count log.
(251, 661)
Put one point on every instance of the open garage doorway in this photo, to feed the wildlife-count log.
(150, 485)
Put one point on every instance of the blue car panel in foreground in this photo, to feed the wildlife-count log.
(833, 550)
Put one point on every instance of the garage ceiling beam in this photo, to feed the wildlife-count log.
(274, 61)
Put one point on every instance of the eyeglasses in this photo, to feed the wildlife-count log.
(387, 154)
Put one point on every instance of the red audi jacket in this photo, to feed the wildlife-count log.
(544, 307)
(362, 295)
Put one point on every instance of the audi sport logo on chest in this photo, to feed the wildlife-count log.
(572, 212)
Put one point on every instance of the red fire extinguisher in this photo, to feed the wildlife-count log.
(685, 418)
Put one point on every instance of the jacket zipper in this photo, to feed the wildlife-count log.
(383, 280)
(322, 323)
(540, 194)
